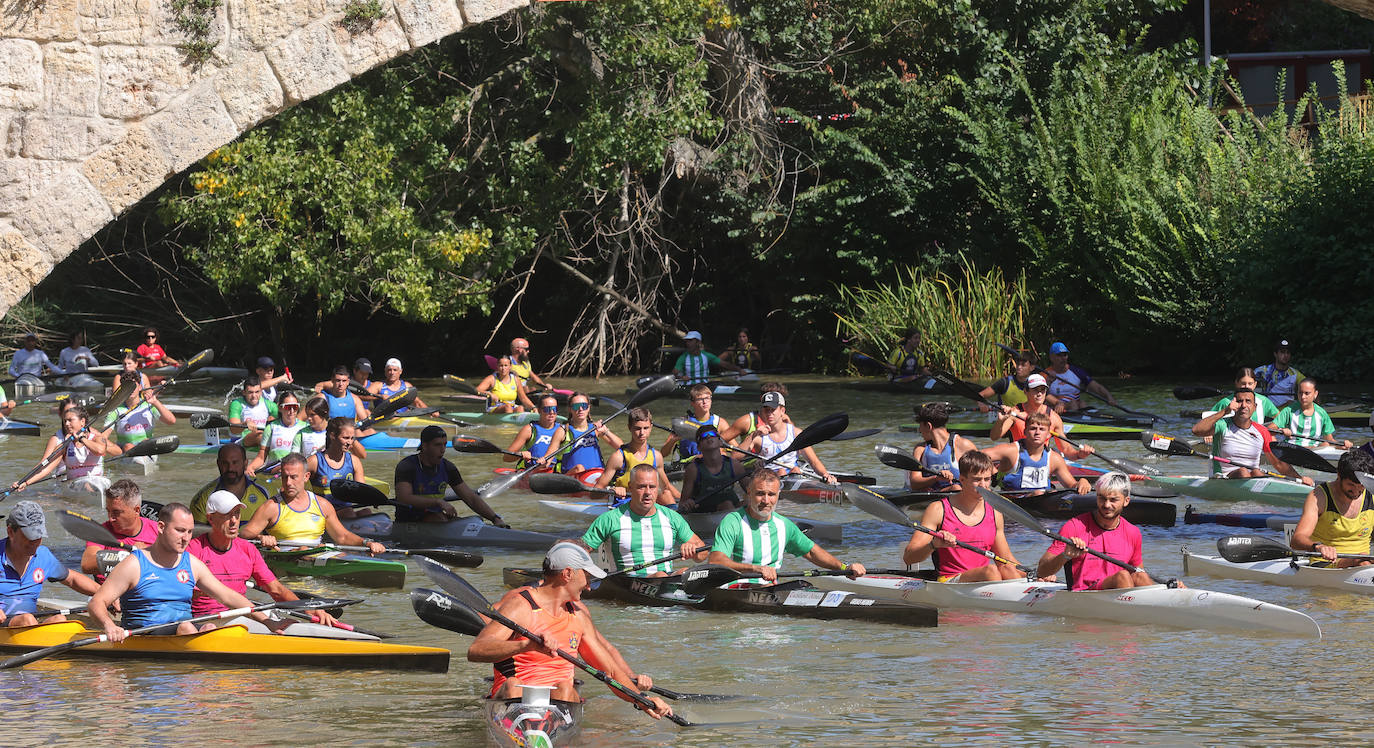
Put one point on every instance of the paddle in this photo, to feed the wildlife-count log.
(148, 447)
(84, 528)
(1241, 549)
(460, 384)
(57, 649)
(559, 483)
(886, 511)
(822, 430)
(704, 577)
(1196, 392)
(1169, 445)
(466, 595)
(47, 397)
(118, 396)
(386, 406)
(1021, 517)
(656, 389)
(208, 421)
(1013, 352)
(454, 558)
(1296, 454)
(475, 446)
(655, 562)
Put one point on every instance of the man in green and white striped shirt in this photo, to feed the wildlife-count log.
(641, 530)
(753, 539)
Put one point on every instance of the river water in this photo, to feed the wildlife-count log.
(977, 679)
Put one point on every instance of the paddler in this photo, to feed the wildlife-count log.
(746, 426)
(504, 391)
(135, 419)
(554, 610)
(295, 514)
(124, 520)
(1338, 515)
(310, 439)
(1068, 381)
(280, 435)
(343, 402)
(153, 586)
(637, 451)
(1241, 441)
(1011, 389)
(699, 414)
(1029, 463)
(965, 517)
(251, 412)
(520, 364)
(6, 405)
(904, 362)
(82, 456)
(743, 353)
(1105, 530)
(392, 383)
(76, 356)
(25, 564)
(694, 365)
(775, 434)
(150, 352)
(233, 560)
(586, 454)
(337, 461)
(939, 450)
(420, 480)
(708, 481)
(753, 539)
(266, 370)
(1305, 422)
(1013, 421)
(232, 463)
(640, 530)
(129, 363)
(31, 360)
(1279, 380)
(537, 440)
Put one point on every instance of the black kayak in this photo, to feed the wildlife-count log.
(1053, 505)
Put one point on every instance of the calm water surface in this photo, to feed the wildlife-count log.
(978, 679)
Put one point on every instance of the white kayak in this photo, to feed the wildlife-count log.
(1156, 604)
(28, 385)
(1285, 572)
(185, 409)
(213, 372)
(300, 628)
(704, 525)
(79, 382)
(85, 487)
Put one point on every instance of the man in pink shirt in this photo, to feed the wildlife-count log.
(1103, 530)
(123, 500)
(234, 560)
(965, 517)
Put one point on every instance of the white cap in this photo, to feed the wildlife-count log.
(396, 362)
(1036, 380)
(572, 556)
(222, 502)
(693, 335)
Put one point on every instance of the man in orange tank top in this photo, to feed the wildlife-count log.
(554, 610)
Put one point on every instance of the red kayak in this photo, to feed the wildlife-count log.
(588, 478)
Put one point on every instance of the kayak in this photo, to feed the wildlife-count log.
(921, 385)
(587, 477)
(86, 487)
(301, 628)
(326, 562)
(1096, 417)
(27, 385)
(1281, 492)
(719, 392)
(517, 419)
(186, 409)
(1284, 572)
(233, 644)
(1254, 519)
(462, 532)
(414, 423)
(533, 721)
(79, 382)
(1078, 431)
(213, 372)
(382, 441)
(1053, 505)
(10, 427)
(704, 525)
(1156, 604)
(1140, 486)
(788, 598)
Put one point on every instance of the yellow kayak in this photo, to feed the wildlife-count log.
(233, 644)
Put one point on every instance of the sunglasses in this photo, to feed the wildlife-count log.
(553, 409)
(291, 406)
(149, 337)
(580, 406)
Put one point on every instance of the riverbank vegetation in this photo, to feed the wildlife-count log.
(609, 174)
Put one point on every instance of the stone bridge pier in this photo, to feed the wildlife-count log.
(101, 103)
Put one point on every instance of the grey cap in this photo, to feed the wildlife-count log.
(572, 556)
(27, 517)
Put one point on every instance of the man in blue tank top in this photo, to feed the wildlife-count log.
(154, 585)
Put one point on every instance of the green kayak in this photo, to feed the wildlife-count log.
(1275, 491)
(1083, 431)
(326, 562)
(515, 418)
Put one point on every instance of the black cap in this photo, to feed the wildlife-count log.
(706, 430)
(431, 432)
(1283, 344)
(266, 362)
(363, 364)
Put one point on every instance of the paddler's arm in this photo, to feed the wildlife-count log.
(164, 414)
(613, 465)
(920, 481)
(523, 398)
(80, 582)
(1307, 523)
(1208, 424)
(122, 578)
(768, 573)
(1002, 426)
(477, 504)
(340, 534)
(405, 494)
(1065, 476)
(921, 544)
(265, 515)
(666, 488)
(282, 593)
(208, 583)
(826, 560)
(687, 500)
(495, 642)
(517, 445)
(1057, 556)
(817, 465)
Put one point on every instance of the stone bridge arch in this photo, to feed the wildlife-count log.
(100, 103)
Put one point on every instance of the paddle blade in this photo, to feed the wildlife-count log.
(1165, 444)
(460, 384)
(503, 484)
(703, 577)
(896, 457)
(664, 385)
(356, 492)
(195, 362)
(1196, 392)
(555, 483)
(87, 529)
(820, 431)
(453, 584)
(1240, 549)
(611, 402)
(117, 398)
(157, 446)
(473, 445)
(871, 503)
(461, 559)
(850, 435)
(441, 611)
(208, 421)
(389, 405)
(1011, 511)
(1300, 456)
(684, 429)
(958, 386)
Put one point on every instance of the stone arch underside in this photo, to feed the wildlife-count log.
(99, 106)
